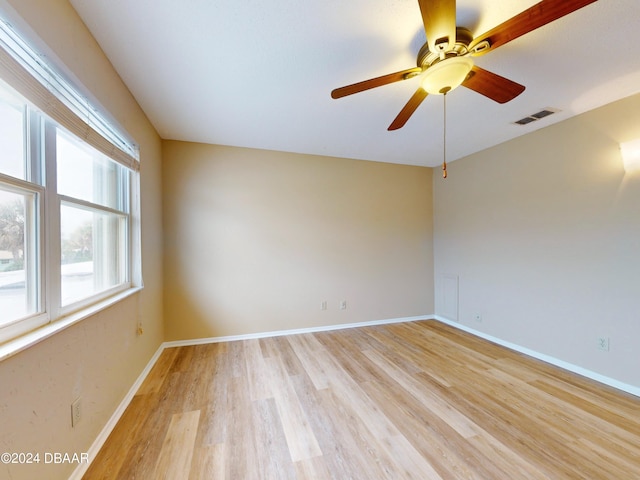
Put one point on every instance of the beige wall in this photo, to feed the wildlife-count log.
(544, 234)
(100, 357)
(255, 240)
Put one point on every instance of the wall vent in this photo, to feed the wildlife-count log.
(536, 116)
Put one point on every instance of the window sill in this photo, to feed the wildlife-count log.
(27, 340)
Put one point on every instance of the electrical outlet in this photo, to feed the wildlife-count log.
(343, 304)
(603, 344)
(76, 412)
(323, 305)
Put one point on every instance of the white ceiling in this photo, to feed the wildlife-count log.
(259, 74)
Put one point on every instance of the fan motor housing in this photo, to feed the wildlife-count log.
(426, 57)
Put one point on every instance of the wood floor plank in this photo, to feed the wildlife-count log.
(411, 384)
(312, 469)
(346, 388)
(240, 441)
(213, 425)
(576, 414)
(349, 358)
(626, 465)
(511, 464)
(414, 465)
(319, 372)
(141, 457)
(120, 441)
(300, 437)
(159, 372)
(257, 372)
(336, 444)
(412, 400)
(208, 462)
(280, 347)
(174, 459)
(620, 417)
(433, 439)
(269, 431)
(354, 431)
(417, 353)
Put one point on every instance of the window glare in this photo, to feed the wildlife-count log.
(12, 141)
(84, 173)
(92, 250)
(16, 288)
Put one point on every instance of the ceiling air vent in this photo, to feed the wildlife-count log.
(536, 116)
(525, 120)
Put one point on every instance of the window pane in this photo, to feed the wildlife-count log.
(12, 138)
(86, 174)
(93, 252)
(17, 286)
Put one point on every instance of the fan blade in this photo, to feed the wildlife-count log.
(534, 17)
(375, 82)
(406, 112)
(439, 19)
(492, 86)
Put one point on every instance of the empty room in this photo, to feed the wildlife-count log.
(332, 240)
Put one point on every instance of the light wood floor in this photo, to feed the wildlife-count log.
(414, 400)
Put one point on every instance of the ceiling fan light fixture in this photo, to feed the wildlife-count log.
(446, 75)
(631, 155)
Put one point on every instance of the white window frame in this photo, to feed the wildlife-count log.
(54, 103)
(33, 274)
(43, 261)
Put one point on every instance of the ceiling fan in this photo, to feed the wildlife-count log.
(445, 60)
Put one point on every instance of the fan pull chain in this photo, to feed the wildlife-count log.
(444, 142)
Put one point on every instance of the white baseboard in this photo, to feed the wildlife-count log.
(108, 428)
(625, 387)
(278, 333)
(106, 431)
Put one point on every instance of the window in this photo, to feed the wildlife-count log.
(21, 195)
(68, 198)
(93, 220)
